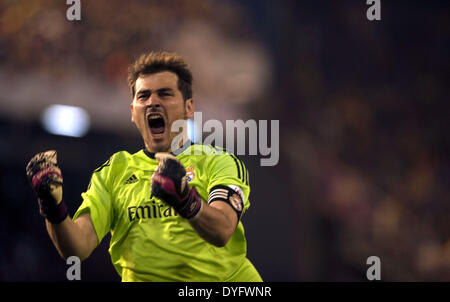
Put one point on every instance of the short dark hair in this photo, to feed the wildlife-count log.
(157, 61)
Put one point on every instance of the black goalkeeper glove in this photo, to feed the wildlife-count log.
(46, 179)
(169, 183)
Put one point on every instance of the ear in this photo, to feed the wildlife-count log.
(131, 109)
(189, 108)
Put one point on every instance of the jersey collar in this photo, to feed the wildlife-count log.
(174, 153)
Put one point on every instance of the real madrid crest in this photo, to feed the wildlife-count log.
(190, 174)
(236, 201)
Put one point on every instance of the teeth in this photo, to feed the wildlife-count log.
(154, 116)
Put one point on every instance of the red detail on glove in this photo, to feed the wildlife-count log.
(166, 184)
(187, 206)
(39, 176)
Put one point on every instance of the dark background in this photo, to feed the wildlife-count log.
(362, 105)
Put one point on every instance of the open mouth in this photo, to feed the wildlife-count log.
(156, 123)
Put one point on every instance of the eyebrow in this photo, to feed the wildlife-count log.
(149, 91)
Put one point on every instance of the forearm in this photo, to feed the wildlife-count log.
(213, 225)
(214, 222)
(69, 239)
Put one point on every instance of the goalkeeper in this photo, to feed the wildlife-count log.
(174, 214)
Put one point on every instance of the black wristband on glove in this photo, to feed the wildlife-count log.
(46, 179)
(53, 213)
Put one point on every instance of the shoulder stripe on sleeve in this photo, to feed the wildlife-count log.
(245, 173)
(241, 167)
(238, 167)
(247, 181)
(108, 163)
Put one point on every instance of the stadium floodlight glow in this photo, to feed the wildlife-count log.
(66, 120)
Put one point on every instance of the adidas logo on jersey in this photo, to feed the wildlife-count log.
(131, 180)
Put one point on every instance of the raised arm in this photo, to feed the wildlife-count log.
(71, 238)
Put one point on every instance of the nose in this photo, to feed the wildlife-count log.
(153, 101)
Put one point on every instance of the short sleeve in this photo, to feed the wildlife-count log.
(228, 170)
(97, 201)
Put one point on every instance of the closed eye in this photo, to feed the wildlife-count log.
(143, 95)
(165, 93)
(162, 93)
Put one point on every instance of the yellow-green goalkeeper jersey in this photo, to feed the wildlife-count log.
(149, 240)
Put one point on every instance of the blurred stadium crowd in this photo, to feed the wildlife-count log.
(363, 109)
(368, 131)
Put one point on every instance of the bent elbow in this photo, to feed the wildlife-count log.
(220, 241)
(69, 257)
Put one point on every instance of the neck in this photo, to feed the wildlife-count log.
(182, 145)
